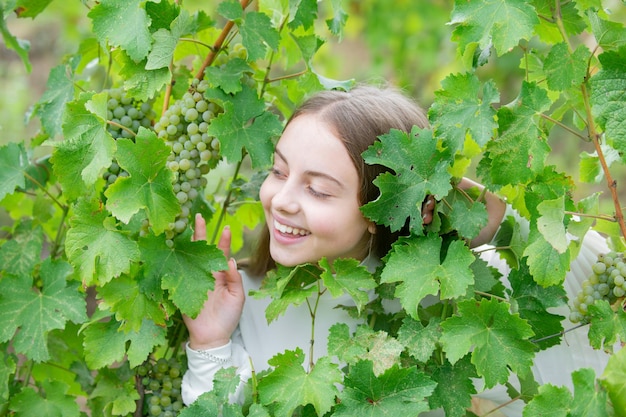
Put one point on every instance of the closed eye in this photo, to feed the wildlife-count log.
(317, 194)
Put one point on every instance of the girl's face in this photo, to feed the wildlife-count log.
(310, 197)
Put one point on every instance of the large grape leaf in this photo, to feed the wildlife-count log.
(609, 35)
(184, 270)
(607, 326)
(564, 69)
(455, 387)
(149, 184)
(115, 387)
(289, 385)
(449, 277)
(420, 168)
(228, 76)
(258, 34)
(165, 41)
(502, 23)
(550, 223)
(95, 246)
(613, 377)
(305, 14)
(133, 37)
(88, 148)
(461, 107)
(105, 343)
(245, 123)
(497, 339)
(551, 401)
(346, 275)
(399, 391)
(13, 163)
(54, 402)
(533, 303)
(20, 254)
(140, 83)
(59, 92)
(419, 341)
(34, 314)
(547, 266)
(607, 98)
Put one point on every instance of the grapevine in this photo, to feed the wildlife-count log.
(606, 282)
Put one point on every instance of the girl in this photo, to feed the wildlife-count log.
(311, 201)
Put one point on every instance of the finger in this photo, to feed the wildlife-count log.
(199, 232)
(224, 243)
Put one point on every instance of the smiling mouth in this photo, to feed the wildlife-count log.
(290, 230)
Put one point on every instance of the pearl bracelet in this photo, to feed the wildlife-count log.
(205, 354)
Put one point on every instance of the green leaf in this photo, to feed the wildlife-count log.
(165, 41)
(228, 76)
(419, 341)
(590, 166)
(149, 184)
(587, 400)
(115, 387)
(346, 275)
(7, 371)
(339, 19)
(607, 326)
(230, 9)
(31, 8)
(133, 37)
(13, 163)
(399, 391)
(608, 87)
(420, 169)
(20, 254)
(468, 220)
(450, 277)
(244, 124)
(454, 387)
(365, 344)
(184, 270)
(289, 385)
(564, 69)
(612, 379)
(258, 34)
(88, 148)
(34, 314)
(97, 249)
(51, 401)
(547, 266)
(59, 91)
(550, 224)
(497, 339)
(502, 23)
(105, 343)
(609, 35)
(20, 46)
(550, 402)
(461, 109)
(305, 14)
(140, 83)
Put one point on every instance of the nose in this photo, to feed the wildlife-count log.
(285, 198)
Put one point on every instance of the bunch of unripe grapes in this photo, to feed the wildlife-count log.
(194, 152)
(162, 381)
(125, 115)
(607, 282)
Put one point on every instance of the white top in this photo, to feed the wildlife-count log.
(255, 341)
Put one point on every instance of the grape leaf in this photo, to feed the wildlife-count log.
(497, 339)
(547, 266)
(20, 254)
(231, 10)
(366, 344)
(228, 77)
(608, 87)
(184, 270)
(97, 249)
(130, 304)
(613, 377)
(420, 169)
(289, 385)
(244, 124)
(564, 69)
(165, 41)
(149, 184)
(533, 304)
(35, 314)
(399, 391)
(13, 163)
(338, 21)
(140, 83)
(346, 275)
(7, 371)
(468, 220)
(287, 286)
(609, 35)
(551, 401)
(115, 386)
(20, 46)
(87, 149)
(257, 34)
(305, 14)
(606, 325)
(106, 344)
(419, 341)
(52, 401)
(590, 169)
(502, 23)
(587, 400)
(454, 388)
(550, 29)
(59, 91)
(134, 37)
(450, 277)
(550, 223)
(461, 108)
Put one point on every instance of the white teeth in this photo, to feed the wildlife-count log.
(290, 230)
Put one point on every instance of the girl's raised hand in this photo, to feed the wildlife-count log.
(221, 312)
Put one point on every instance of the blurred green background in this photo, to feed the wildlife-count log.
(405, 42)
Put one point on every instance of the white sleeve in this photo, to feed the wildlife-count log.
(203, 365)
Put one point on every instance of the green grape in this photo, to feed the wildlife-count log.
(606, 282)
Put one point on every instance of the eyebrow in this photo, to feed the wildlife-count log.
(313, 173)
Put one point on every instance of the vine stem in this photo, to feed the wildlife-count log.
(226, 201)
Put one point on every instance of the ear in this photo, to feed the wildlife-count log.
(371, 227)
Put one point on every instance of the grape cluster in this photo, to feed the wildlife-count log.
(194, 152)
(607, 282)
(161, 381)
(125, 115)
